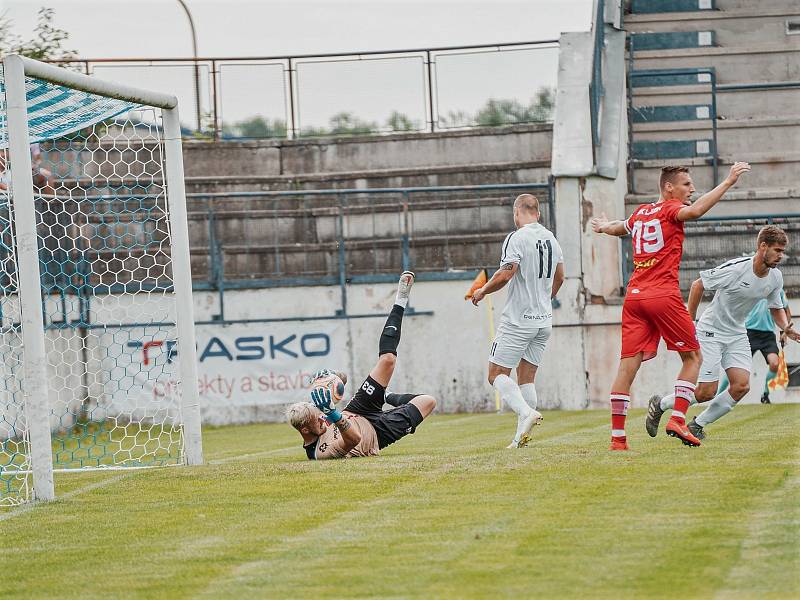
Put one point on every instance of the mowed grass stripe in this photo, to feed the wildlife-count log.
(772, 543)
(492, 574)
(424, 460)
(448, 511)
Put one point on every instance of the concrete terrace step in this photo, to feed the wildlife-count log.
(648, 7)
(670, 149)
(474, 174)
(653, 79)
(770, 170)
(761, 23)
(429, 253)
(733, 135)
(316, 225)
(671, 39)
(760, 201)
(730, 5)
(770, 62)
(669, 113)
(264, 158)
(735, 104)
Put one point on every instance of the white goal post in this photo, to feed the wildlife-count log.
(95, 266)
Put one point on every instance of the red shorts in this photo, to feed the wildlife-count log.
(646, 321)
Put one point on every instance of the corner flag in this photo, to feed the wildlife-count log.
(479, 282)
(781, 379)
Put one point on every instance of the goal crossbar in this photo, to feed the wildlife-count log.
(91, 85)
(35, 379)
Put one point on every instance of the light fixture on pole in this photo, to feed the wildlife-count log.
(196, 66)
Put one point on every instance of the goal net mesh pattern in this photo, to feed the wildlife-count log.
(106, 288)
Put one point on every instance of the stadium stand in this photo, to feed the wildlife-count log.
(730, 65)
(707, 81)
(238, 215)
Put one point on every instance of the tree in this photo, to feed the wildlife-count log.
(498, 112)
(256, 127)
(397, 121)
(47, 43)
(348, 123)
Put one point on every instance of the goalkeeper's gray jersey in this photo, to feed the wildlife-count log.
(535, 249)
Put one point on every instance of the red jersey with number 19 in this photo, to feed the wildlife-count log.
(657, 238)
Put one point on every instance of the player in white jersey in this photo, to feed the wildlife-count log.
(738, 284)
(533, 266)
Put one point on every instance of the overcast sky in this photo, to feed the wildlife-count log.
(238, 28)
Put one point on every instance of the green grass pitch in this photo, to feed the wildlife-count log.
(446, 513)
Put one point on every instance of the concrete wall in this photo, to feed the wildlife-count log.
(516, 143)
(512, 154)
(446, 354)
(751, 46)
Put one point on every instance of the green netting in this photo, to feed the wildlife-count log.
(107, 299)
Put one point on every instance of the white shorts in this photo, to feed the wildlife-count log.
(720, 356)
(510, 346)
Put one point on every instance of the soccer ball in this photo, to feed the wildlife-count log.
(333, 383)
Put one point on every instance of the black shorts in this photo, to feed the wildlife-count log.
(390, 425)
(762, 341)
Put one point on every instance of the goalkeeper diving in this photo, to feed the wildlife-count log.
(362, 428)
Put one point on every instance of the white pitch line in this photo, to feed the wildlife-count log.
(458, 420)
(222, 461)
(100, 484)
(87, 488)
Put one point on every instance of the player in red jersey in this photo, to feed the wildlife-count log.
(654, 307)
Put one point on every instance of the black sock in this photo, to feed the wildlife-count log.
(390, 337)
(399, 399)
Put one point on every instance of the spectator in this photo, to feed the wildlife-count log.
(42, 178)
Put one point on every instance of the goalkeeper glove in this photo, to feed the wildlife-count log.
(321, 397)
(322, 373)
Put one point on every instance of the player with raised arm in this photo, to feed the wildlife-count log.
(739, 284)
(653, 307)
(533, 263)
(363, 428)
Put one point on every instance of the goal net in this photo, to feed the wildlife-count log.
(98, 354)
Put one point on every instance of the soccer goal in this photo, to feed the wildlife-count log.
(98, 348)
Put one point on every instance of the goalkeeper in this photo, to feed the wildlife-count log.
(363, 428)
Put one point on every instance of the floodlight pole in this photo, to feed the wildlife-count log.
(34, 355)
(196, 66)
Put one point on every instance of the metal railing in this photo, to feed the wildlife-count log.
(249, 240)
(710, 241)
(715, 89)
(337, 237)
(712, 82)
(420, 89)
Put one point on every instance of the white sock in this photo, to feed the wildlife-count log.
(509, 391)
(401, 302)
(529, 394)
(720, 406)
(668, 402)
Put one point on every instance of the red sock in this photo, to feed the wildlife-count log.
(684, 394)
(619, 410)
